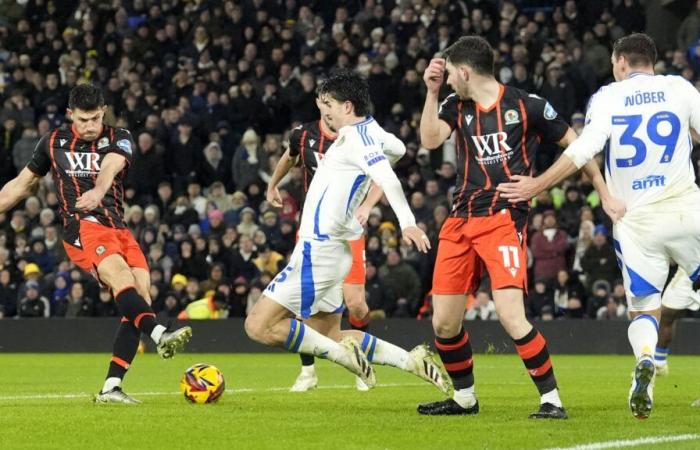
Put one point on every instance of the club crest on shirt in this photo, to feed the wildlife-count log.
(511, 117)
(100, 250)
(102, 143)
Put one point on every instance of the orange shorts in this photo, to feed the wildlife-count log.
(98, 242)
(357, 270)
(467, 247)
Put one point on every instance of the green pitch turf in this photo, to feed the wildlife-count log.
(45, 403)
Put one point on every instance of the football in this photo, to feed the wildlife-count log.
(202, 383)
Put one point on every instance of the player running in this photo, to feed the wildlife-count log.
(647, 118)
(310, 287)
(498, 131)
(309, 143)
(88, 162)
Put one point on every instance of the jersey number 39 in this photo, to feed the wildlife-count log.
(632, 124)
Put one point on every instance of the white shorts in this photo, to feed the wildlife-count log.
(312, 282)
(646, 240)
(679, 293)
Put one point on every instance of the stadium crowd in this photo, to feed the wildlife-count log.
(210, 89)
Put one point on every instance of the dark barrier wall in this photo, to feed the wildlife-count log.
(95, 335)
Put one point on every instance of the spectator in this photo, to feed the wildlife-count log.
(268, 260)
(33, 304)
(568, 294)
(402, 285)
(8, 295)
(105, 306)
(146, 170)
(549, 248)
(243, 260)
(482, 308)
(75, 304)
(171, 307)
(539, 300)
(214, 167)
(247, 226)
(599, 299)
(246, 161)
(599, 261)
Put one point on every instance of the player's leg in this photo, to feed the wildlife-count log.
(354, 288)
(358, 315)
(644, 265)
(457, 270)
(419, 361)
(272, 324)
(358, 311)
(314, 269)
(125, 347)
(504, 254)
(532, 348)
(678, 297)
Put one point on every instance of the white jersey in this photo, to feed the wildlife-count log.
(647, 120)
(341, 182)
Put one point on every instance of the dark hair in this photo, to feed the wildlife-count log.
(86, 97)
(473, 51)
(637, 48)
(348, 86)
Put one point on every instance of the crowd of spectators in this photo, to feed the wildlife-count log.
(210, 89)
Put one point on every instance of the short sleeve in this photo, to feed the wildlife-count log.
(123, 144)
(294, 144)
(448, 110)
(40, 164)
(543, 117)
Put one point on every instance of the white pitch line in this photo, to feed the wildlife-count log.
(632, 442)
(82, 395)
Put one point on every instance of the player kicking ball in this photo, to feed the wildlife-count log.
(647, 120)
(310, 286)
(88, 161)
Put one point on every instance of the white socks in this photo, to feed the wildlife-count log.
(308, 370)
(643, 333)
(465, 398)
(111, 383)
(384, 353)
(157, 333)
(551, 397)
(303, 339)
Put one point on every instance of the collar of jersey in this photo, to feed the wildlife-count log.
(367, 120)
(635, 74)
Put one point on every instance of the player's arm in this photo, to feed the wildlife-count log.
(578, 153)
(27, 181)
(614, 207)
(375, 164)
(288, 160)
(284, 165)
(17, 189)
(434, 130)
(111, 165)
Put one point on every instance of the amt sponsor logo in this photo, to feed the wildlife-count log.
(649, 182)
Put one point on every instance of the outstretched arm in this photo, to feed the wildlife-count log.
(111, 165)
(17, 189)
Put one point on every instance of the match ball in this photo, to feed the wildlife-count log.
(202, 383)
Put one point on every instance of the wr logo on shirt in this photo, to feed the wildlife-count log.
(492, 147)
(83, 164)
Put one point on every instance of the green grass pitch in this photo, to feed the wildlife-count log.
(45, 403)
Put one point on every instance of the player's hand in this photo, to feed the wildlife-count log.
(89, 200)
(273, 196)
(362, 214)
(434, 74)
(416, 236)
(521, 188)
(614, 208)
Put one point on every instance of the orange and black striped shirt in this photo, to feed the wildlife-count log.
(493, 144)
(309, 142)
(75, 164)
